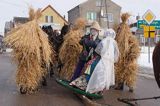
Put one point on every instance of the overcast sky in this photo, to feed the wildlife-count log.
(11, 8)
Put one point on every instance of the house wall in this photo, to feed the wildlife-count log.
(90, 6)
(73, 15)
(56, 18)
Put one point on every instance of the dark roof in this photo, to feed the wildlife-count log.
(21, 20)
(1, 36)
(54, 11)
(73, 8)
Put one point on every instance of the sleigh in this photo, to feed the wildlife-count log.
(77, 90)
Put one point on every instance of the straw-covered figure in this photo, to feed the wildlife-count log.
(71, 49)
(126, 68)
(31, 52)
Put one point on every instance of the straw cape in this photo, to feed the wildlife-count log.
(71, 49)
(31, 52)
(126, 68)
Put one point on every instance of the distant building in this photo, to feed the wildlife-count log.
(95, 10)
(19, 20)
(13, 24)
(51, 17)
(8, 26)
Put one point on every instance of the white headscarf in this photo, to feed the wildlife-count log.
(109, 33)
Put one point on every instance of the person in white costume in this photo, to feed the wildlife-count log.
(103, 75)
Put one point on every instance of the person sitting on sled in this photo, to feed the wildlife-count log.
(89, 43)
(102, 77)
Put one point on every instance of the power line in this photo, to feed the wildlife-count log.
(106, 8)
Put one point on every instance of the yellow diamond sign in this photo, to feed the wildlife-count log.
(149, 17)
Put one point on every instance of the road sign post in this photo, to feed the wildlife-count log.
(149, 38)
(149, 17)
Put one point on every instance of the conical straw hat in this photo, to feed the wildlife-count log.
(95, 25)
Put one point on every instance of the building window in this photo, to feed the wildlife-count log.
(46, 19)
(98, 3)
(49, 19)
(91, 16)
(108, 16)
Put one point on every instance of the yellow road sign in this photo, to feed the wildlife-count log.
(149, 30)
(145, 28)
(146, 34)
(152, 28)
(149, 16)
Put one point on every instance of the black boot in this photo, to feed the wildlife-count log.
(120, 86)
(44, 81)
(51, 73)
(131, 89)
(23, 90)
(51, 70)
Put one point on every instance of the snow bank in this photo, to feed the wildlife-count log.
(143, 59)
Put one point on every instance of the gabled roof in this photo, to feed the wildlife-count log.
(49, 6)
(116, 4)
(74, 8)
(77, 6)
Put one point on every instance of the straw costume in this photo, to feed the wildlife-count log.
(31, 52)
(71, 49)
(126, 68)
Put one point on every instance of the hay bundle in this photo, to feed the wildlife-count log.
(71, 49)
(31, 52)
(126, 68)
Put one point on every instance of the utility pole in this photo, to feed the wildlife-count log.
(107, 13)
(100, 9)
(103, 4)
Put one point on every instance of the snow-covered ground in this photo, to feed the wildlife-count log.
(143, 60)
